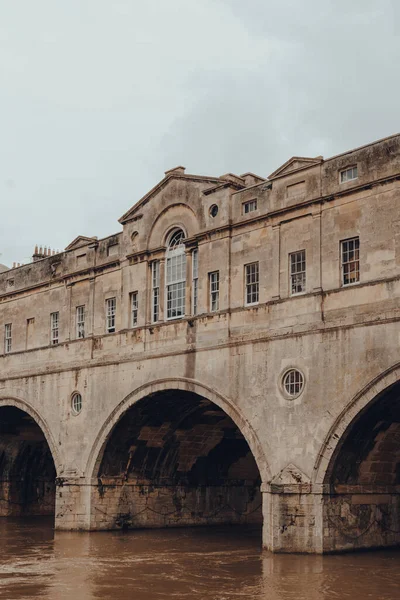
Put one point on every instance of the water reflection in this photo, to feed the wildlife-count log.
(219, 564)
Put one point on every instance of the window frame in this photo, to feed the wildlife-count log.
(293, 274)
(155, 291)
(7, 338)
(80, 321)
(293, 383)
(248, 284)
(76, 403)
(54, 328)
(246, 206)
(213, 291)
(195, 281)
(348, 262)
(111, 314)
(347, 170)
(175, 276)
(134, 304)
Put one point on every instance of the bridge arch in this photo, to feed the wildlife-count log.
(11, 400)
(359, 469)
(188, 442)
(348, 416)
(29, 460)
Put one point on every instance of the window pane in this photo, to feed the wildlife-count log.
(298, 272)
(252, 283)
(350, 261)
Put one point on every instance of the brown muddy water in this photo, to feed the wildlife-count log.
(219, 563)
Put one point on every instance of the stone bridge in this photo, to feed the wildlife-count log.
(258, 397)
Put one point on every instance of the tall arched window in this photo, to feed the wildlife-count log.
(176, 275)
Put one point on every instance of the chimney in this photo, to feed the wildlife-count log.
(41, 252)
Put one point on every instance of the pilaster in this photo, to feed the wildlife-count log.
(276, 261)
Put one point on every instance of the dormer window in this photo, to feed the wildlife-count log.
(349, 174)
(176, 275)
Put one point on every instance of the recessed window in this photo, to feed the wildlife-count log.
(213, 279)
(297, 272)
(134, 308)
(251, 283)
(213, 210)
(111, 309)
(176, 275)
(7, 338)
(113, 250)
(80, 322)
(249, 206)
(81, 260)
(10, 283)
(76, 403)
(348, 174)
(350, 251)
(54, 327)
(293, 383)
(296, 189)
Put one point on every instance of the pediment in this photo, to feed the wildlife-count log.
(176, 173)
(296, 163)
(289, 475)
(79, 241)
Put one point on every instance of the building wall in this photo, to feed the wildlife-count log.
(341, 338)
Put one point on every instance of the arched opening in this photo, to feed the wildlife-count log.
(363, 506)
(174, 459)
(27, 470)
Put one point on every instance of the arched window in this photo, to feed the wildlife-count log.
(176, 275)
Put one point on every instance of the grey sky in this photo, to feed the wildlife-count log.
(99, 97)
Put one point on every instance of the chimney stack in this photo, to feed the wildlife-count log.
(42, 252)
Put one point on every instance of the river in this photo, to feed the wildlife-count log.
(219, 563)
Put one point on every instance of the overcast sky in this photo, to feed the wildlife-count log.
(99, 97)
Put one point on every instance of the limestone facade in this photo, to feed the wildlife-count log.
(235, 345)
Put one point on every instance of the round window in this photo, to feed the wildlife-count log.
(76, 403)
(293, 383)
(214, 210)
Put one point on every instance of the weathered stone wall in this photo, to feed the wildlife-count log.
(345, 340)
(365, 518)
(118, 504)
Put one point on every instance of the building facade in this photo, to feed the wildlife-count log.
(231, 356)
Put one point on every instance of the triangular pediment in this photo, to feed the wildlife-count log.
(177, 173)
(289, 475)
(79, 241)
(296, 163)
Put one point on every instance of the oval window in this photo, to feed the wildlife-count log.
(76, 403)
(293, 383)
(214, 210)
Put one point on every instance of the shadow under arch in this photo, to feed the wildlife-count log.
(10, 400)
(188, 385)
(359, 403)
(29, 461)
